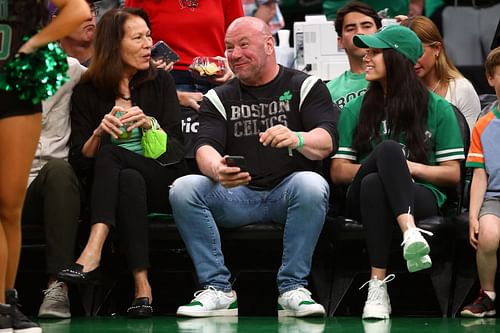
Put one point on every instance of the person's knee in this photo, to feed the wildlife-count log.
(488, 243)
(185, 188)
(10, 210)
(59, 168)
(371, 187)
(310, 186)
(131, 178)
(389, 148)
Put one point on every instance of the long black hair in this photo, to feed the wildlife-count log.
(404, 107)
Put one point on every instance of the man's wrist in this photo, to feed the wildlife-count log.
(300, 145)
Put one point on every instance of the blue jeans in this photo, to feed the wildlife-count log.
(199, 205)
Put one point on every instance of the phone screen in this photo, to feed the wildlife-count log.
(237, 161)
(161, 51)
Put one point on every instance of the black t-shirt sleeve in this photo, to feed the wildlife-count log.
(212, 130)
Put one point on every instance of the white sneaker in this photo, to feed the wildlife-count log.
(55, 302)
(298, 303)
(378, 304)
(210, 302)
(415, 245)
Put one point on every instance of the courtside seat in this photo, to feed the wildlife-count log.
(254, 248)
(350, 258)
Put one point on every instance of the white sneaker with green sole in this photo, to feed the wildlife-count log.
(298, 303)
(211, 302)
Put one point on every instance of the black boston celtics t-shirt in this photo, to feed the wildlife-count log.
(232, 115)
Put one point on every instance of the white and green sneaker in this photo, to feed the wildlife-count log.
(415, 245)
(211, 302)
(416, 249)
(298, 303)
(418, 264)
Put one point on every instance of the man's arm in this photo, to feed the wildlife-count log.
(315, 144)
(213, 165)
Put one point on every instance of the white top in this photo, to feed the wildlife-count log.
(56, 125)
(462, 94)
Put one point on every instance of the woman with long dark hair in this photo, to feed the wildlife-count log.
(399, 145)
(120, 98)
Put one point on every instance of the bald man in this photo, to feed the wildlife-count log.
(283, 123)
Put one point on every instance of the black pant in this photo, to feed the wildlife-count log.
(382, 190)
(127, 186)
(53, 200)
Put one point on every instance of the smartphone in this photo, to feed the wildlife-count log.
(161, 51)
(237, 161)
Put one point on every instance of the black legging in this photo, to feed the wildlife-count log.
(382, 190)
(126, 187)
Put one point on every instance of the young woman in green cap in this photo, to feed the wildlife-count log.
(399, 146)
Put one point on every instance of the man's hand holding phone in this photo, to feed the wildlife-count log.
(233, 171)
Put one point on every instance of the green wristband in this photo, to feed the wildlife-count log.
(301, 141)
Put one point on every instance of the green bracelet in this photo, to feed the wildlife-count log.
(301, 141)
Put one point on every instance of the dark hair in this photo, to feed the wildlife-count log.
(355, 6)
(404, 107)
(106, 68)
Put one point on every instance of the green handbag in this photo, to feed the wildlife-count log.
(154, 140)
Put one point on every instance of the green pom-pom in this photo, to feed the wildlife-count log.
(36, 76)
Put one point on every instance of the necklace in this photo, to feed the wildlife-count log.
(126, 98)
(436, 86)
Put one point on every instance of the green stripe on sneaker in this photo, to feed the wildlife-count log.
(194, 303)
(280, 307)
(233, 305)
(306, 303)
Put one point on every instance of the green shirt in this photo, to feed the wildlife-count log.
(396, 7)
(347, 87)
(442, 130)
(131, 142)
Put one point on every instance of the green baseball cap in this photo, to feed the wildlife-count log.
(400, 39)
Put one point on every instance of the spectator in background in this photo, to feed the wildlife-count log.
(121, 96)
(78, 44)
(191, 28)
(394, 7)
(53, 195)
(291, 128)
(484, 206)
(355, 18)
(438, 73)
(399, 146)
(267, 10)
(20, 122)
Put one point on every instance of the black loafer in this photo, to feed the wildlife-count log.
(140, 308)
(75, 274)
